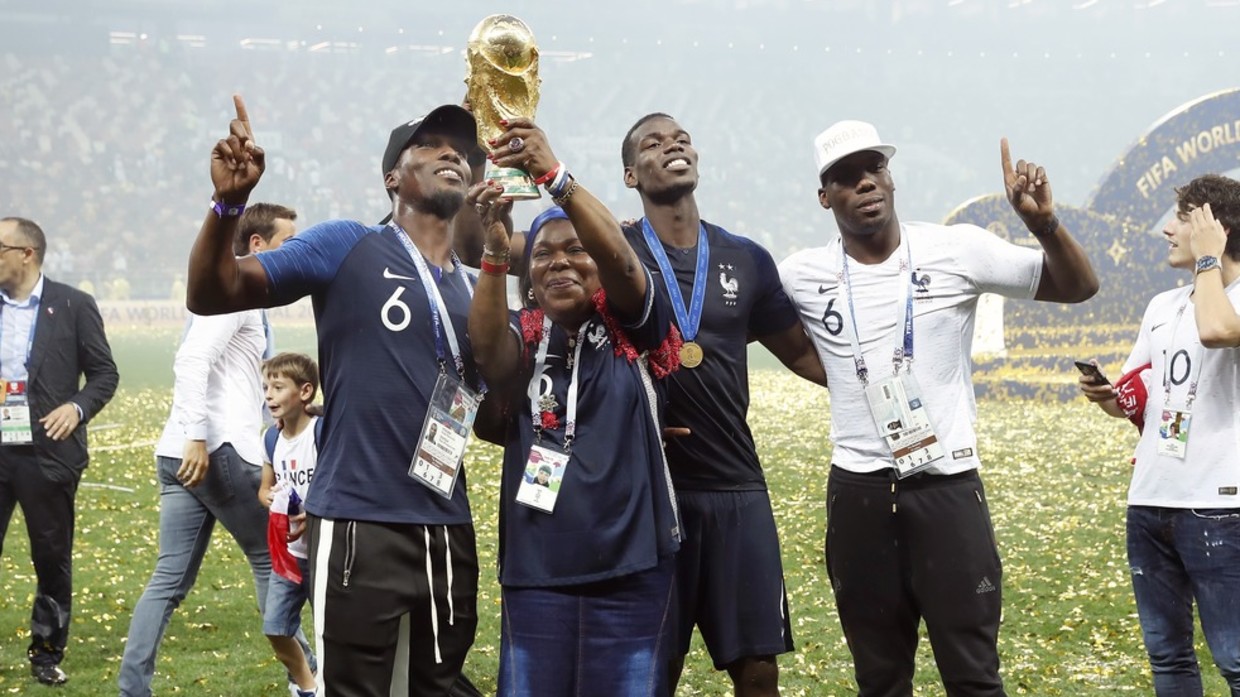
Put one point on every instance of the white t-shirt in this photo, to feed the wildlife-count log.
(1209, 474)
(951, 267)
(295, 460)
(217, 395)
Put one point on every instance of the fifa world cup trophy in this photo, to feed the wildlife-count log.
(503, 83)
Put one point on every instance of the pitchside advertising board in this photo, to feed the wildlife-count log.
(1119, 225)
(140, 314)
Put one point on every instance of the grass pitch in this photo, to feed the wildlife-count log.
(1056, 474)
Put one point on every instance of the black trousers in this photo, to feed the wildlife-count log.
(46, 496)
(899, 551)
(394, 606)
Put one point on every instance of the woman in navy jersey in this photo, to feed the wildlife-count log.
(586, 559)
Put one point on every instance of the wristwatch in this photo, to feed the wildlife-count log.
(1206, 263)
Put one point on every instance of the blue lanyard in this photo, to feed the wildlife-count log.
(441, 321)
(690, 320)
(903, 352)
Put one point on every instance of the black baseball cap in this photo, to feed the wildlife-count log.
(449, 118)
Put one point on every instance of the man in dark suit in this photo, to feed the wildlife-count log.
(50, 336)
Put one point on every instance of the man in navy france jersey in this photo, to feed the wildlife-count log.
(726, 292)
(908, 528)
(393, 563)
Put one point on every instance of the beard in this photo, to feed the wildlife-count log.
(443, 204)
(670, 195)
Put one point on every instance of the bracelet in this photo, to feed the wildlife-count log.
(557, 184)
(494, 269)
(1050, 228)
(572, 189)
(560, 185)
(227, 210)
(549, 175)
(501, 255)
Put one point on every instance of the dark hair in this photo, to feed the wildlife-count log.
(1223, 195)
(259, 219)
(628, 149)
(297, 367)
(33, 234)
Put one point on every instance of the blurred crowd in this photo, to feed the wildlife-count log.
(107, 146)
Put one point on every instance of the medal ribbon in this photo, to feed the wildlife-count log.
(441, 320)
(535, 387)
(903, 353)
(690, 320)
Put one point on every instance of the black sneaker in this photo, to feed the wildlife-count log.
(48, 673)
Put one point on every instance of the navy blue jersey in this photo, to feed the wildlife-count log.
(744, 298)
(378, 362)
(614, 514)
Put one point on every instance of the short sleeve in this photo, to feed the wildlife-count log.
(997, 266)
(308, 262)
(773, 311)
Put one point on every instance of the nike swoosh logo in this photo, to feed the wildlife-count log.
(1156, 326)
(387, 273)
(823, 289)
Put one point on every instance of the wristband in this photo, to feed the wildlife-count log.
(549, 175)
(1050, 228)
(558, 187)
(572, 189)
(494, 269)
(227, 210)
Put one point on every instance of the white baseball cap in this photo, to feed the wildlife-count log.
(843, 138)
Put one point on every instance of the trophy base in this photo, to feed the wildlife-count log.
(518, 186)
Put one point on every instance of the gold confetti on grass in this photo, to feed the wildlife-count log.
(1056, 475)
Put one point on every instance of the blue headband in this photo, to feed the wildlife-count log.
(552, 213)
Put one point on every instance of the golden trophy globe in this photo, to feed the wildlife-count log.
(502, 77)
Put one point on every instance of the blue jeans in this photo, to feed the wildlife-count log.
(609, 638)
(186, 518)
(1178, 556)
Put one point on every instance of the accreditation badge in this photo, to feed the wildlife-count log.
(543, 477)
(15, 414)
(901, 419)
(445, 435)
(1173, 432)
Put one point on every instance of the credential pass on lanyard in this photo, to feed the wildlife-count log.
(903, 351)
(688, 320)
(440, 317)
(540, 367)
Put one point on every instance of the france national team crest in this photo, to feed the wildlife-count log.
(731, 285)
(921, 281)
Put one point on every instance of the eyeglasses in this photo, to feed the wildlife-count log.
(6, 247)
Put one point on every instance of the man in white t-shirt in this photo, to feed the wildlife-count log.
(1184, 500)
(908, 529)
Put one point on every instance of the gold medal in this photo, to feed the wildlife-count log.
(691, 354)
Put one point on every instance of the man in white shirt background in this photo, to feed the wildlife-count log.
(1184, 499)
(209, 458)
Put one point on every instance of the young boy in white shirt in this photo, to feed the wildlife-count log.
(290, 381)
(1184, 501)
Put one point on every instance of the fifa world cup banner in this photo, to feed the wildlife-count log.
(1022, 347)
(1119, 224)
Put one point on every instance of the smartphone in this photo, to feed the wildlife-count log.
(1092, 371)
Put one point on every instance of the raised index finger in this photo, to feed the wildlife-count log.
(1005, 156)
(242, 115)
